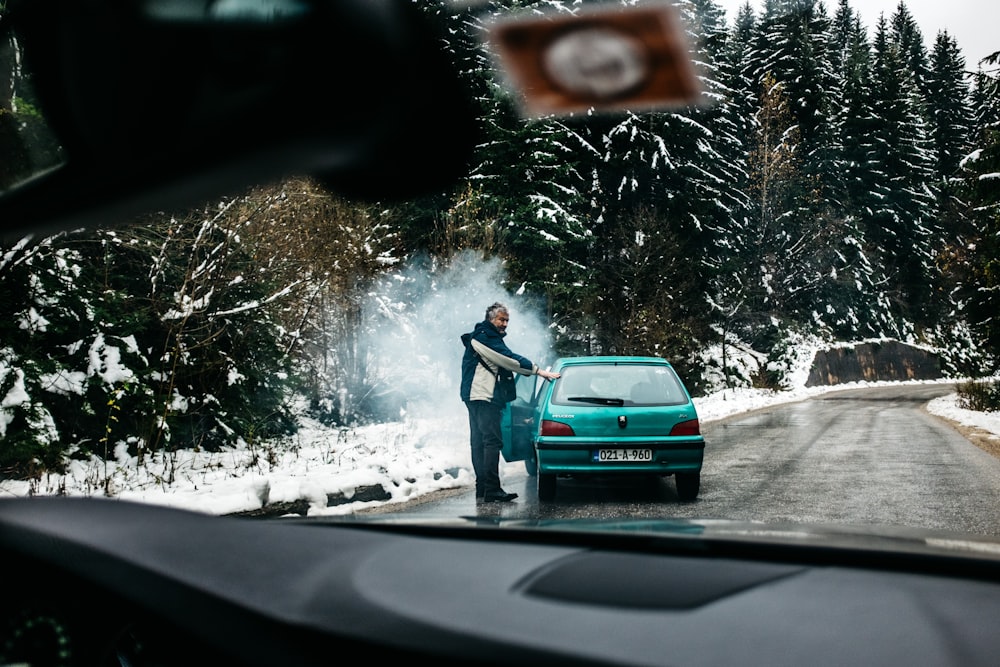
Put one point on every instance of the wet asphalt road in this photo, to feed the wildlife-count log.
(866, 456)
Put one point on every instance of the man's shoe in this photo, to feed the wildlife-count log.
(499, 497)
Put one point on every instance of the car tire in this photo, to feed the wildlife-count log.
(531, 465)
(546, 487)
(688, 484)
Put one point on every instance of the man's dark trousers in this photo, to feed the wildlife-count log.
(486, 440)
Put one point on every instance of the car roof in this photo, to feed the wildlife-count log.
(610, 359)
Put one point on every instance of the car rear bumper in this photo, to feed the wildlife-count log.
(670, 457)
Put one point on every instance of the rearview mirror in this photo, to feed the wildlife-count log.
(154, 104)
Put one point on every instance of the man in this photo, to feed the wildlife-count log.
(485, 354)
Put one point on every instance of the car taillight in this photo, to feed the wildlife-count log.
(690, 427)
(556, 428)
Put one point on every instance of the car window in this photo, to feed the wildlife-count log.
(741, 258)
(633, 383)
(528, 388)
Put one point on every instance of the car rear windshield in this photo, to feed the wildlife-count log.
(619, 384)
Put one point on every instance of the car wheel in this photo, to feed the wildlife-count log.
(688, 484)
(531, 465)
(546, 487)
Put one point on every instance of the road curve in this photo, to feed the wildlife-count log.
(866, 456)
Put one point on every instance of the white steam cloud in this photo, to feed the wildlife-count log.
(419, 314)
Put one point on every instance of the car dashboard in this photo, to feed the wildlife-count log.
(104, 582)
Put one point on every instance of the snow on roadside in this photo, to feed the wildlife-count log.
(408, 459)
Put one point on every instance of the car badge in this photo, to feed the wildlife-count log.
(622, 421)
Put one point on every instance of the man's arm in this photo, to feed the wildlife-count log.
(517, 363)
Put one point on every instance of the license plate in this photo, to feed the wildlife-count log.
(618, 455)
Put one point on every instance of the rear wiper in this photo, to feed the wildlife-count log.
(600, 400)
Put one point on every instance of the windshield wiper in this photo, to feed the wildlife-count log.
(600, 400)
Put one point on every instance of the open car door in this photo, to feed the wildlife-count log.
(517, 424)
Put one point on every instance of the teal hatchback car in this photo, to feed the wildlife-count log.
(606, 415)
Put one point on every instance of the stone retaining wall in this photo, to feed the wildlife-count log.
(870, 362)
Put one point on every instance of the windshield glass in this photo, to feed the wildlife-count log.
(634, 384)
(805, 229)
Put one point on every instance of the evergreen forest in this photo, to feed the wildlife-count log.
(842, 182)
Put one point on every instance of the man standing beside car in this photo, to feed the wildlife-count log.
(485, 354)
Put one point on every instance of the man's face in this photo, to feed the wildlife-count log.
(500, 321)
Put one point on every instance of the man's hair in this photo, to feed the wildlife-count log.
(492, 311)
